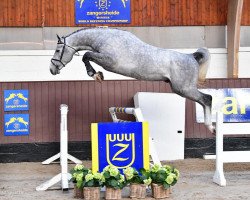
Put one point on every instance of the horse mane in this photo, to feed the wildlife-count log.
(82, 29)
(86, 28)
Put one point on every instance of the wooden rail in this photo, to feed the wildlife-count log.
(40, 13)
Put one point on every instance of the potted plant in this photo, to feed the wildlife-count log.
(138, 181)
(91, 185)
(162, 179)
(114, 182)
(78, 172)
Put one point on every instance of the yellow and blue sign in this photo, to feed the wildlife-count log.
(120, 144)
(102, 11)
(233, 103)
(16, 124)
(15, 100)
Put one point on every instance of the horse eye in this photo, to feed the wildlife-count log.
(57, 50)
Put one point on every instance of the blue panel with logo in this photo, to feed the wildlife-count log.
(16, 124)
(102, 11)
(121, 145)
(15, 100)
(233, 103)
(236, 105)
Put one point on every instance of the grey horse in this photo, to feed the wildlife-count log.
(123, 53)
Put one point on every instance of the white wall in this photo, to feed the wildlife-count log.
(33, 65)
(244, 62)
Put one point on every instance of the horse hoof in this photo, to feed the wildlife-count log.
(212, 129)
(101, 75)
(98, 77)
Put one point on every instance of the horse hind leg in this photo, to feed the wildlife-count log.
(206, 102)
(98, 58)
(203, 99)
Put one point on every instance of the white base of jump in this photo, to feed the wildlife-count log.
(209, 157)
(57, 156)
(228, 156)
(63, 178)
(219, 178)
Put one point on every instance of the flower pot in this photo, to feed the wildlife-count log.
(91, 193)
(137, 191)
(159, 192)
(112, 193)
(78, 193)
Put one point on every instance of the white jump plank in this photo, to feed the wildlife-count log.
(236, 156)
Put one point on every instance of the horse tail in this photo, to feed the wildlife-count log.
(202, 56)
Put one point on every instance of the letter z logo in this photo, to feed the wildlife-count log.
(123, 148)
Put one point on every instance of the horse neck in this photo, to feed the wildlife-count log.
(78, 40)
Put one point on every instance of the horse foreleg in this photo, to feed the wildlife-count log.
(90, 70)
(102, 59)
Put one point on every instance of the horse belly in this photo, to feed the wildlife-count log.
(146, 73)
(140, 72)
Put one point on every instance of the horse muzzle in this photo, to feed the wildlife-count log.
(54, 70)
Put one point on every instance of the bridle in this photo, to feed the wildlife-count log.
(60, 60)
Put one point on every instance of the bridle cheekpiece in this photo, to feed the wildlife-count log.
(60, 60)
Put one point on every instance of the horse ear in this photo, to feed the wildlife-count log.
(59, 39)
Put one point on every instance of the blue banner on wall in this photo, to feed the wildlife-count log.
(16, 124)
(233, 103)
(15, 100)
(102, 11)
(120, 144)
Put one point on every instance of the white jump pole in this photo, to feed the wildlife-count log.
(139, 118)
(64, 176)
(64, 147)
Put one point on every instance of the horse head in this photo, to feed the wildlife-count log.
(62, 56)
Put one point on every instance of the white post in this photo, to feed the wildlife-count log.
(64, 146)
(64, 176)
(219, 177)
